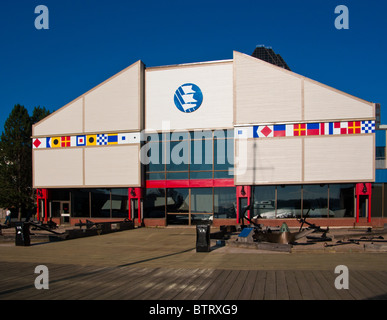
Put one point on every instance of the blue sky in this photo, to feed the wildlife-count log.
(88, 41)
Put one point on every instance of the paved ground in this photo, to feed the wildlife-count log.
(162, 264)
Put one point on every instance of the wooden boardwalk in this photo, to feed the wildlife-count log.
(78, 282)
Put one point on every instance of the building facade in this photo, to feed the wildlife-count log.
(195, 143)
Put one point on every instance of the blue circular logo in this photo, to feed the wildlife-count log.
(188, 97)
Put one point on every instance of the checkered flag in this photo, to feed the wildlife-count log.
(102, 139)
(368, 126)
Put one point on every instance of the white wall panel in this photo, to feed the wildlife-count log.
(344, 158)
(269, 161)
(66, 120)
(324, 103)
(216, 83)
(116, 104)
(112, 166)
(57, 167)
(265, 93)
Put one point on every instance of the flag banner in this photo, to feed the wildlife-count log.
(102, 139)
(257, 131)
(279, 130)
(368, 127)
(313, 129)
(39, 143)
(112, 139)
(326, 128)
(81, 141)
(91, 140)
(55, 142)
(300, 129)
(354, 127)
(263, 131)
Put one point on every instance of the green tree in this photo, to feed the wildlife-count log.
(16, 158)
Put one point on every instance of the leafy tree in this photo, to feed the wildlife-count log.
(16, 158)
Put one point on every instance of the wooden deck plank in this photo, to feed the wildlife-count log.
(238, 285)
(227, 286)
(248, 286)
(133, 279)
(356, 278)
(215, 285)
(293, 289)
(183, 283)
(270, 286)
(281, 286)
(171, 280)
(259, 286)
(303, 285)
(197, 285)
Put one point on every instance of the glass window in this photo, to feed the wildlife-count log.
(179, 156)
(201, 155)
(201, 200)
(100, 203)
(60, 194)
(154, 203)
(80, 203)
(315, 201)
(178, 200)
(223, 154)
(120, 203)
(200, 175)
(177, 175)
(377, 200)
(225, 203)
(288, 201)
(264, 202)
(152, 155)
(155, 176)
(341, 200)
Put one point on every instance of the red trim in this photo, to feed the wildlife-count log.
(193, 183)
(363, 189)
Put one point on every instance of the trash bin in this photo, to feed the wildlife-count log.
(22, 237)
(203, 238)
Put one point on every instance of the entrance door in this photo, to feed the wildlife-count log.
(61, 209)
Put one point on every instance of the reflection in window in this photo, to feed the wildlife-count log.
(120, 203)
(225, 203)
(264, 202)
(315, 201)
(154, 203)
(341, 200)
(376, 201)
(201, 200)
(80, 203)
(178, 200)
(100, 203)
(288, 201)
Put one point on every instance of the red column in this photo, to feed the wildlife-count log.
(135, 193)
(363, 189)
(243, 192)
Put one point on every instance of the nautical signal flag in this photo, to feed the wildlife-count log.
(65, 141)
(55, 142)
(81, 141)
(263, 132)
(340, 127)
(313, 129)
(300, 129)
(279, 130)
(91, 140)
(354, 127)
(112, 139)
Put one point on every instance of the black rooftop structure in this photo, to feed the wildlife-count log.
(267, 54)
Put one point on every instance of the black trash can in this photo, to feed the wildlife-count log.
(22, 237)
(203, 238)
